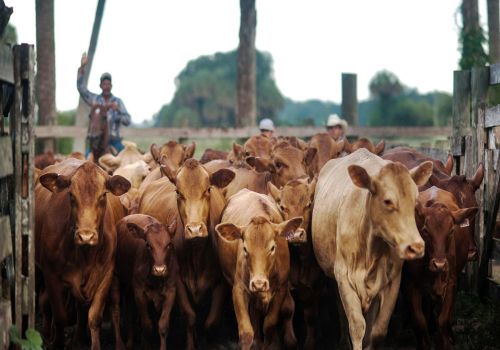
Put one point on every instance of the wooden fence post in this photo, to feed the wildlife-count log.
(460, 115)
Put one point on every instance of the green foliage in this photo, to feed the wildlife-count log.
(311, 112)
(33, 339)
(9, 35)
(65, 145)
(385, 85)
(206, 92)
(471, 47)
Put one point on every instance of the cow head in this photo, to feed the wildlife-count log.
(86, 188)
(194, 185)
(158, 238)
(258, 146)
(464, 191)
(393, 193)
(259, 247)
(326, 148)
(364, 143)
(286, 163)
(295, 200)
(172, 153)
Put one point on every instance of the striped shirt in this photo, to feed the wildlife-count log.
(115, 118)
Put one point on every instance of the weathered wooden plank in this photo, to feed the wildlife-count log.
(5, 238)
(492, 116)
(6, 68)
(495, 74)
(190, 133)
(481, 141)
(461, 102)
(6, 168)
(6, 318)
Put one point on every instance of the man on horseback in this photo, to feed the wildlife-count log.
(113, 107)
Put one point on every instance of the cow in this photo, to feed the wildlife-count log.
(130, 154)
(255, 261)
(77, 207)
(286, 163)
(462, 188)
(44, 160)
(247, 178)
(326, 148)
(193, 197)
(363, 227)
(434, 279)
(134, 172)
(147, 270)
(212, 154)
(295, 199)
(364, 143)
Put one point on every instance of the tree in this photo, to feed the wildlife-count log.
(494, 31)
(9, 35)
(384, 86)
(46, 73)
(246, 102)
(471, 37)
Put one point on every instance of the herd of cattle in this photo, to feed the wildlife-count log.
(261, 228)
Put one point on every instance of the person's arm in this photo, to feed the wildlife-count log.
(89, 97)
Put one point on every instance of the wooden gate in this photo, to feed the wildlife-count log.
(17, 253)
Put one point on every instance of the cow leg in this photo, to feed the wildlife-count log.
(388, 297)
(218, 297)
(115, 313)
(287, 311)
(311, 312)
(188, 312)
(44, 304)
(353, 311)
(142, 309)
(129, 304)
(272, 317)
(421, 330)
(245, 330)
(164, 323)
(55, 294)
(81, 325)
(444, 320)
(97, 307)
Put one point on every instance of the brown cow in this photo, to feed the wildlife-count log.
(462, 188)
(197, 202)
(44, 160)
(212, 154)
(75, 240)
(326, 148)
(364, 143)
(363, 227)
(295, 200)
(434, 278)
(130, 154)
(248, 178)
(255, 261)
(146, 266)
(286, 163)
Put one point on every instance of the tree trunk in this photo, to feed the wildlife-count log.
(46, 63)
(246, 106)
(472, 36)
(494, 31)
(82, 113)
(349, 105)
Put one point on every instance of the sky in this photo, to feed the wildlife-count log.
(312, 42)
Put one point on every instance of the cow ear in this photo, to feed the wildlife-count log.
(109, 162)
(380, 147)
(172, 228)
(478, 177)
(419, 215)
(421, 174)
(125, 201)
(221, 178)
(274, 191)
(260, 165)
(166, 169)
(54, 182)
(340, 148)
(360, 178)
(229, 232)
(462, 216)
(347, 146)
(189, 151)
(155, 152)
(237, 149)
(288, 228)
(117, 185)
(135, 230)
(309, 156)
(449, 164)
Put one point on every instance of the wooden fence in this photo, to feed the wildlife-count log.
(475, 140)
(17, 253)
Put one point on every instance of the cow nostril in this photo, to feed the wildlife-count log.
(259, 285)
(159, 269)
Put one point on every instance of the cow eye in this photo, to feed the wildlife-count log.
(388, 203)
(245, 251)
(282, 208)
(308, 205)
(279, 165)
(247, 153)
(179, 195)
(148, 246)
(71, 197)
(273, 249)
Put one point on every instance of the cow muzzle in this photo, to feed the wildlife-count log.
(412, 251)
(259, 284)
(438, 265)
(297, 237)
(194, 230)
(159, 270)
(86, 237)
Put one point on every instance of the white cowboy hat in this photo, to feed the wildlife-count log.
(334, 120)
(266, 124)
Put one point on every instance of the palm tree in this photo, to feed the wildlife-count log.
(246, 105)
(46, 63)
(494, 31)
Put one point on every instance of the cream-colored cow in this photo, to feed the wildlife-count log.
(363, 228)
